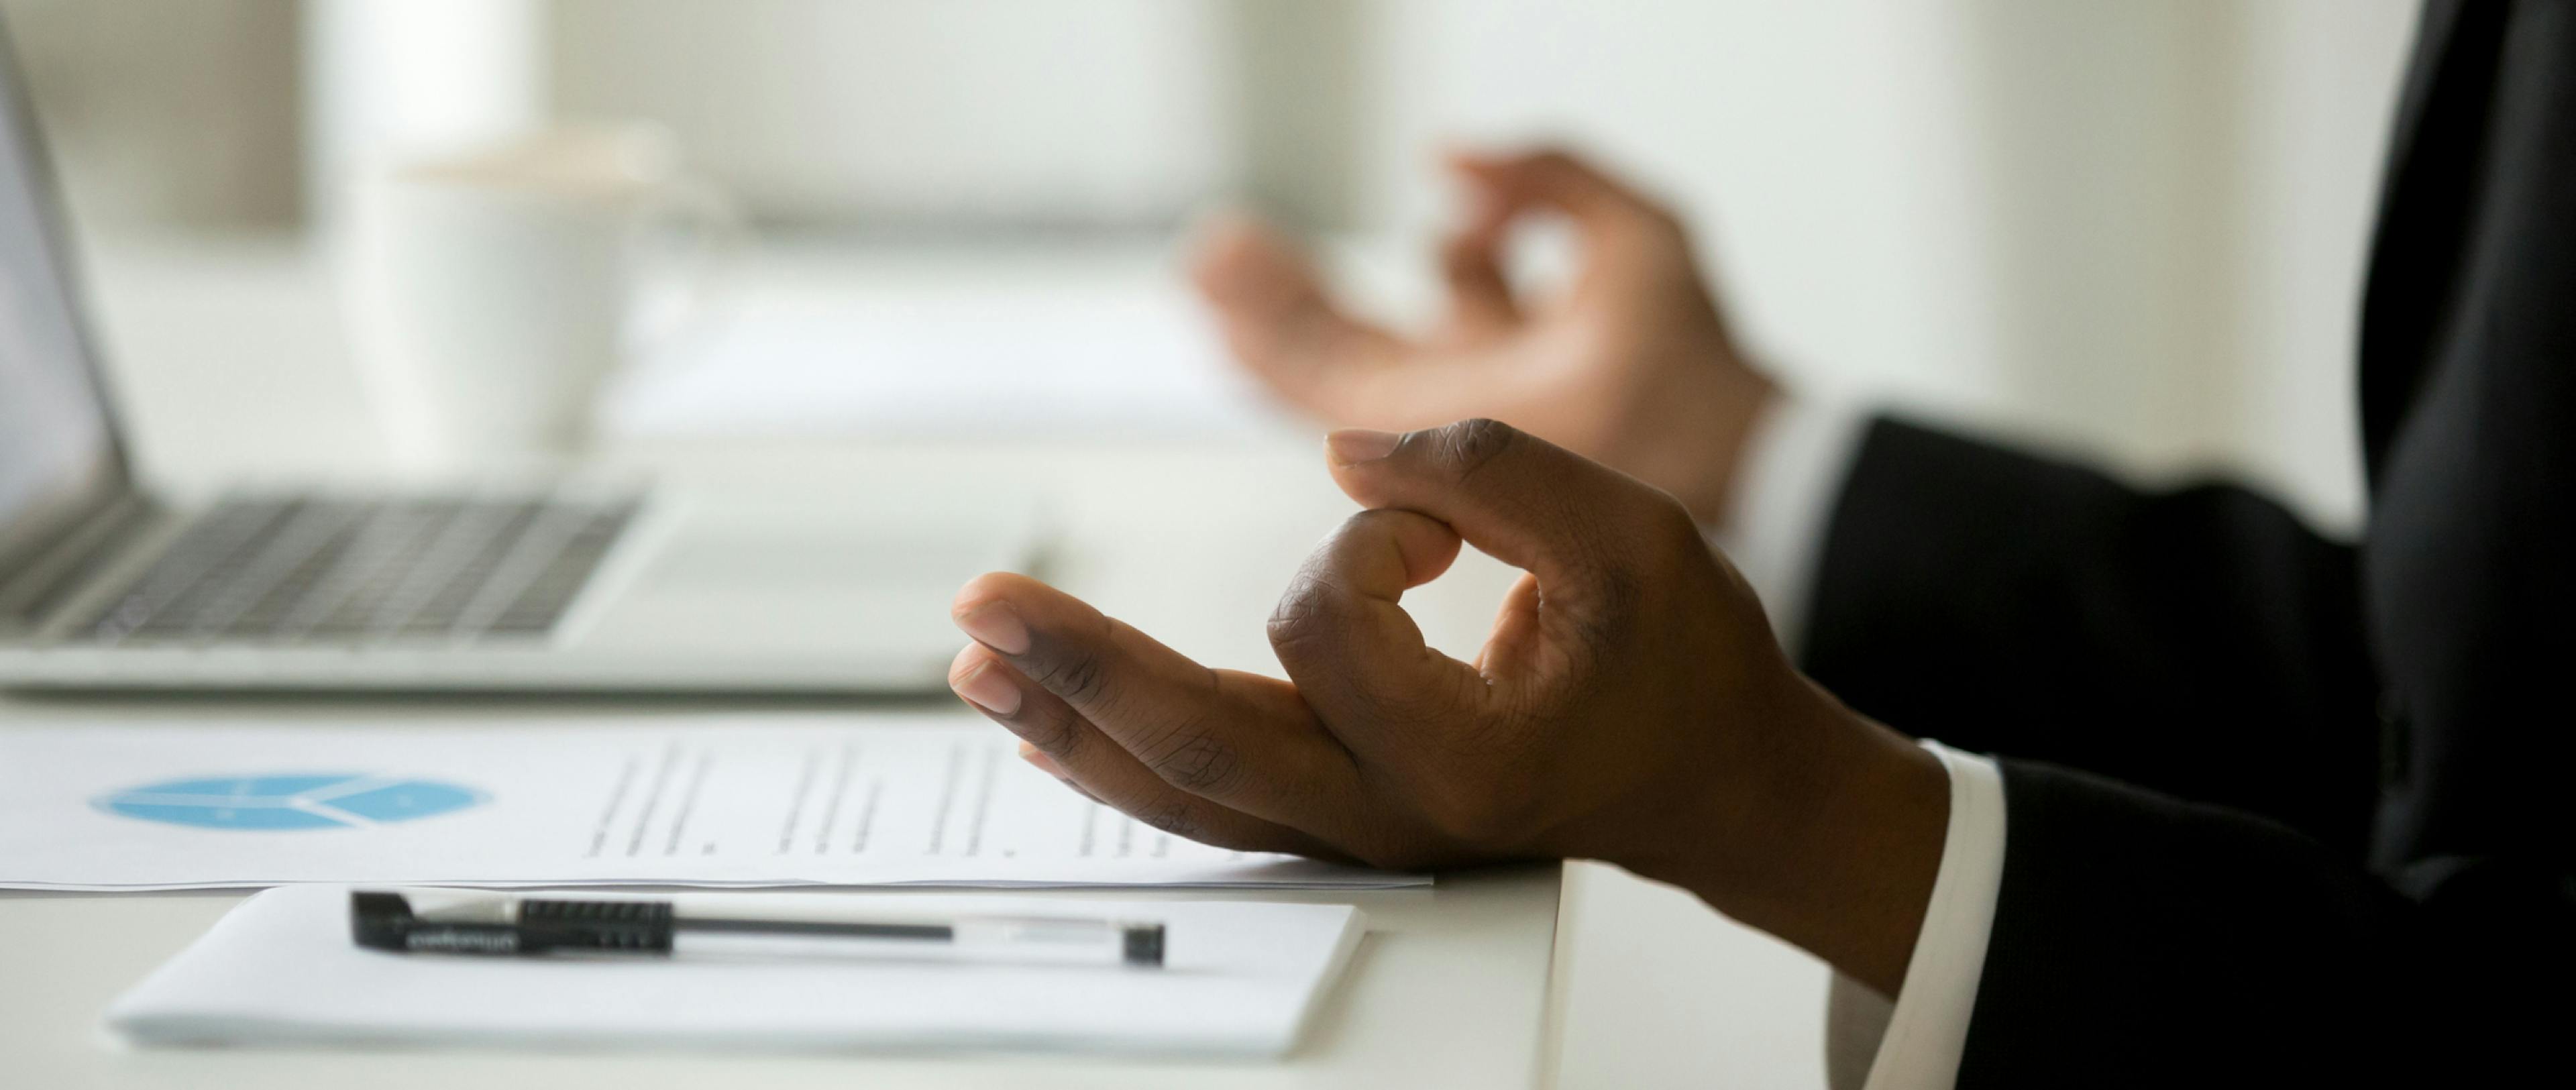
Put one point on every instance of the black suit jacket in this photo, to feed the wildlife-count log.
(2279, 807)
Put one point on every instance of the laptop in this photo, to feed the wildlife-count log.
(104, 585)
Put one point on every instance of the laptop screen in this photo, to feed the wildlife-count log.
(57, 447)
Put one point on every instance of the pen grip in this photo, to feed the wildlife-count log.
(634, 927)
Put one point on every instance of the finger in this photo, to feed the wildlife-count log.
(1277, 318)
(1632, 242)
(1523, 500)
(1480, 295)
(1550, 178)
(1076, 752)
(1354, 653)
(1214, 734)
(1038, 759)
(1509, 649)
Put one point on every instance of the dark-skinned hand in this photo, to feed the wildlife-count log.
(1631, 705)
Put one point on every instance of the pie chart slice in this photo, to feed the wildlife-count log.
(404, 800)
(282, 801)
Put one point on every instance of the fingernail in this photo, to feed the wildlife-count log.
(986, 688)
(996, 625)
(1352, 446)
(1042, 762)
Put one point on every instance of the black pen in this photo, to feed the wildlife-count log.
(505, 925)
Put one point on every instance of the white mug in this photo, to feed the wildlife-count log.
(494, 291)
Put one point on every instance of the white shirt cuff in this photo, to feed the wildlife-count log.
(1928, 1030)
(1775, 521)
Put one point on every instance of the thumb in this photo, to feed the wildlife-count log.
(1480, 295)
(1521, 499)
(1356, 656)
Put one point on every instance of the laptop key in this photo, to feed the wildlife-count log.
(191, 569)
(541, 601)
(365, 572)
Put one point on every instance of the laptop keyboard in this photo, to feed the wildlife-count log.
(335, 571)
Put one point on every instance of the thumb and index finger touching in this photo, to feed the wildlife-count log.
(1613, 217)
(1241, 760)
(1509, 184)
(1278, 317)
(1523, 500)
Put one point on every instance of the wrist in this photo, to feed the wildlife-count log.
(1729, 405)
(1835, 845)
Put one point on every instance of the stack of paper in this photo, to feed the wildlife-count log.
(710, 801)
(1240, 979)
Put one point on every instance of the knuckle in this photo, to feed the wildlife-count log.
(1305, 615)
(1076, 675)
(1175, 815)
(1618, 598)
(1652, 557)
(1463, 448)
(1622, 593)
(1562, 162)
(1191, 753)
(1671, 538)
(1550, 156)
(1196, 760)
(1664, 223)
(1053, 731)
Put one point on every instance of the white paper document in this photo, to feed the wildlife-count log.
(1240, 978)
(718, 801)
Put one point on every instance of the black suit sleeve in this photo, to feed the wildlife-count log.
(2210, 919)
(2007, 603)
(2144, 940)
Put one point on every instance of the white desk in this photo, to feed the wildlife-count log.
(230, 362)
(229, 374)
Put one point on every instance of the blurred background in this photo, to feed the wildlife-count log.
(2134, 230)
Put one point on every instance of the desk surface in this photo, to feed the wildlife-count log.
(1454, 985)
(229, 362)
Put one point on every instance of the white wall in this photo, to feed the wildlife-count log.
(166, 114)
(2132, 229)
(947, 113)
(2319, 82)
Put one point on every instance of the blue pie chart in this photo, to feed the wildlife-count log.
(285, 801)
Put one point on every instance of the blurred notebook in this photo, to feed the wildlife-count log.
(1073, 345)
(1240, 979)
